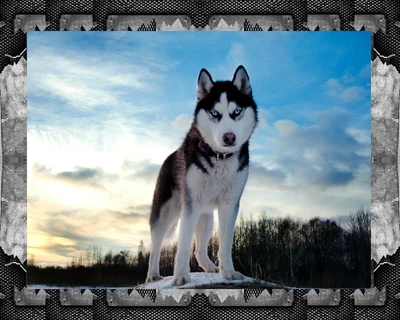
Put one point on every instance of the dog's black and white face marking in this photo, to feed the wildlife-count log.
(226, 112)
(235, 111)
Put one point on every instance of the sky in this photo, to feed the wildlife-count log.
(106, 108)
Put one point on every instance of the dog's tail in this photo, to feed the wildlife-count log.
(163, 225)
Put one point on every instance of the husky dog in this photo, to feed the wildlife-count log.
(208, 171)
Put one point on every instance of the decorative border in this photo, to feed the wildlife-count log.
(18, 18)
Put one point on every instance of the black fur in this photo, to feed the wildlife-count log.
(232, 94)
(207, 157)
(244, 157)
(166, 183)
(173, 171)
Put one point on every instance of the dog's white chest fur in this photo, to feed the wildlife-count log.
(221, 182)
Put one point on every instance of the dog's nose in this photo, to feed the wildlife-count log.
(229, 138)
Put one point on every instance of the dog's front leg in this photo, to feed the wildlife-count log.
(227, 213)
(189, 218)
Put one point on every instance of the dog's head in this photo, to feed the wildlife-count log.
(226, 114)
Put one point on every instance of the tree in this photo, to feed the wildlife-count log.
(290, 245)
(360, 222)
(358, 240)
(141, 259)
(31, 260)
(108, 259)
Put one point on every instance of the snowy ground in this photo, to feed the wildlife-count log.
(200, 279)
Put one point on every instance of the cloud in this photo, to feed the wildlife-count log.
(362, 136)
(334, 86)
(263, 115)
(322, 154)
(41, 169)
(142, 170)
(129, 216)
(93, 78)
(65, 233)
(182, 122)
(268, 211)
(328, 176)
(79, 176)
(65, 229)
(141, 207)
(354, 93)
(285, 127)
(350, 94)
(262, 177)
(365, 71)
(237, 56)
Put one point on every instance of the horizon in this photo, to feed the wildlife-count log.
(170, 243)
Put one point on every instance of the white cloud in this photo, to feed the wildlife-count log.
(349, 94)
(78, 81)
(334, 86)
(285, 127)
(261, 177)
(76, 93)
(366, 71)
(237, 55)
(263, 115)
(363, 136)
(182, 122)
(354, 93)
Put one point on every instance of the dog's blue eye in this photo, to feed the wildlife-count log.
(214, 113)
(237, 111)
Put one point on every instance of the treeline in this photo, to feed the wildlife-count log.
(91, 268)
(315, 253)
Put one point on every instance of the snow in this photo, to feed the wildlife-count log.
(200, 279)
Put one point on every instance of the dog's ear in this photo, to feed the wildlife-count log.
(241, 81)
(204, 84)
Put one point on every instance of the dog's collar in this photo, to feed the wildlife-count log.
(205, 148)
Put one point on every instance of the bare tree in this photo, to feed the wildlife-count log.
(141, 259)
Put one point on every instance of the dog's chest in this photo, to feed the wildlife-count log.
(220, 180)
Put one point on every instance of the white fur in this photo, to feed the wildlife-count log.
(162, 228)
(213, 132)
(221, 190)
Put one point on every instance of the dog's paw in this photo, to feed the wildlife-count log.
(209, 267)
(213, 269)
(181, 279)
(153, 278)
(231, 275)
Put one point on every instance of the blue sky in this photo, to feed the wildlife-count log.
(106, 108)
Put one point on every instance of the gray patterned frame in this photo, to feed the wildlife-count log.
(381, 18)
